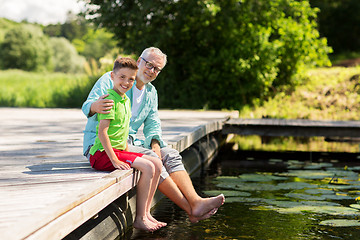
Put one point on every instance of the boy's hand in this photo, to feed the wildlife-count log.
(120, 165)
(102, 105)
(155, 146)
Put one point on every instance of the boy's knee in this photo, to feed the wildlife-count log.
(157, 163)
(158, 166)
(149, 168)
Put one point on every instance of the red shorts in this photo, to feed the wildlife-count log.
(101, 161)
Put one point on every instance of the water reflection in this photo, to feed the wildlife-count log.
(272, 199)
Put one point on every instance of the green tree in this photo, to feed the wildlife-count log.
(95, 44)
(6, 25)
(65, 57)
(222, 53)
(25, 47)
(53, 30)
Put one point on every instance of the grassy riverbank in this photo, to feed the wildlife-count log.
(326, 94)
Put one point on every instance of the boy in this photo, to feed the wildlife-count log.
(110, 149)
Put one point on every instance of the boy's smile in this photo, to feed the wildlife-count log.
(123, 80)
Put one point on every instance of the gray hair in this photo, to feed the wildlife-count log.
(156, 51)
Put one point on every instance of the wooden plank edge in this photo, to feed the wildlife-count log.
(69, 221)
(62, 206)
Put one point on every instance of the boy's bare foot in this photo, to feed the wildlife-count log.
(194, 219)
(159, 224)
(144, 224)
(207, 204)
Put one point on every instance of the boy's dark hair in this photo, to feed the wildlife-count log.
(124, 62)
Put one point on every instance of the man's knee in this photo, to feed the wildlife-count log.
(163, 175)
(171, 155)
(172, 160)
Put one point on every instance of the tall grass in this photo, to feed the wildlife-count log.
(29, 89)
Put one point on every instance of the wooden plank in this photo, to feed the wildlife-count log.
(300, 127)
(42, 216)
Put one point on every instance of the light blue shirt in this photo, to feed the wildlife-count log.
(147, 115)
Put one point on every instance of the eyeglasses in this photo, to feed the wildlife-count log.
(149, 65)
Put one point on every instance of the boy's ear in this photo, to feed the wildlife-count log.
(112, 75)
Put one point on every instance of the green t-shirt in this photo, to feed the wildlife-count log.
(119, 125)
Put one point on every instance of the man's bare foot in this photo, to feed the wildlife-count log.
(159, 224)
(194, 219)
(207, 204)
(144, 224)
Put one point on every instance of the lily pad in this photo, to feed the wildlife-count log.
(282, 204)
(336, 196)
(319, 203)
(308, 174)
(341, 187)
(294, 186)
(242, 200)
(356, 168)
(275, 160)
(260, 177)
(357, 206)
(318, 165)
(344, 173)
(227, 193)
(331, 210)
(319, 191)
(340, 223)
(262, 208)
(228, 179)
(248, 186)
(304, 196)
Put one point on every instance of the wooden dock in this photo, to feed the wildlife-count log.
(48, 189)
(295, 127)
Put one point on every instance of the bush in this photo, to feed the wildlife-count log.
(25, 47)
(65, 58)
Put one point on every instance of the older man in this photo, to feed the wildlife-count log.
(175, 182)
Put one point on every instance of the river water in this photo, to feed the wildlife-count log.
(271, 198)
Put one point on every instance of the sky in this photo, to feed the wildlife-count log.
(40, 11)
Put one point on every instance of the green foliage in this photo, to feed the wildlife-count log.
(95, 43)
(65, 57)
(29, 89)
(6, 25)
(222, 54)
(90, 42)
(25, 47)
